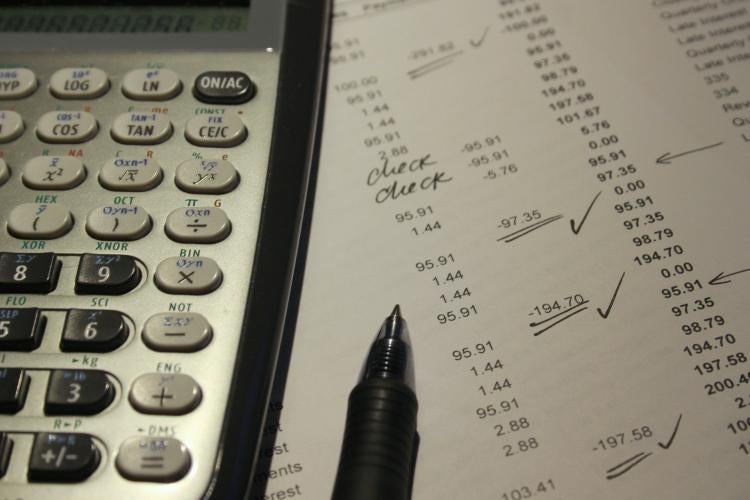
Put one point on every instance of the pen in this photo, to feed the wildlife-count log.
(380, 438)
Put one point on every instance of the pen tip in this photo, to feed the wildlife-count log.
(396, 311)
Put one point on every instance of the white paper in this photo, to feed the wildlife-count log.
(507, 114)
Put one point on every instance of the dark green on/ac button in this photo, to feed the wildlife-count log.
(224, 87)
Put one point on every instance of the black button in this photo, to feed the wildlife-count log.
(6, 446)
(28, 272)
(106, 274)
(21, 329)
(93, 331)
(14, 383)
(78, 392)
(62, 458)
(224, 87)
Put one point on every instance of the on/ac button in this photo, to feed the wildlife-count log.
(224, 87)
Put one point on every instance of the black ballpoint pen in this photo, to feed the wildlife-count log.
(380, 441)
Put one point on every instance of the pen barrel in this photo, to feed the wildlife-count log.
(377, 453)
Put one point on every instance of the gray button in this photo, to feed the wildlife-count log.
(39, 221)
(206, 176)
(215, 130)
(151, 84)
(16, 83)
(4, 172)
(138, 127)
(188, 275)
(78, 83)
(130, 174)
(165, 394)
(180, 332)
(156, 459)
(53, 172)
(69, 127)
(11, 126)
(118, 222)
(198, 225)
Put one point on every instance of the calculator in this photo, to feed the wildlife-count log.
(155, 162)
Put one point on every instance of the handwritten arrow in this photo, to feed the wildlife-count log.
(721, 278)
(666, 158)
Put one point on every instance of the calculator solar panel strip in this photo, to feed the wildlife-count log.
(96, 399)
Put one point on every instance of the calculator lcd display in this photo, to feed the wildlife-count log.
(128, 16)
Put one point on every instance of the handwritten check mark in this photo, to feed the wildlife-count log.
(671, 438)
(577, 229)
(481, 39)
(605, 314)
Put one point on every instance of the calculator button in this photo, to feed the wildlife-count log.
(6, 447)
(21, 329)
(224, 87)
(62, 458)
(215, 130)
(188, 275)
(130, 174)
(106, 274)
(116, 222)
(165, 394)
(28, 272)
(66, 127)
(16, 83)
(151, 84)
(11, 126)
(4, 172)
(93, 331)
(141, 128)
(198, 225)
(206, 176)
(53, 172)
(78, 392)
(187, 332)
(79, 83)
(39, 221)
(156, 459)
(14, 384)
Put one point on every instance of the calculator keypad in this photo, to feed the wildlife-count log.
(167, 332)
(141, 128)
(132, 201)
(100, 274)
(4, 172)
(21, 329)
(78, 392)
(28, 272)
(14, 385)
(198, 225)
(11, 126)
(40, 221)
(67, 127)
(53, 172)
(78, 83)
(165, 394)
(17, 83)
(163, 460)
(215, 130)
(96, 330)
(68, 458)
(118, 223)
(131, 174)
(151, 84)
